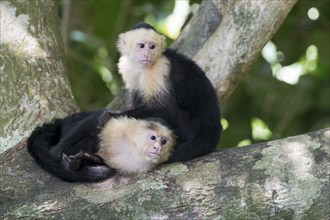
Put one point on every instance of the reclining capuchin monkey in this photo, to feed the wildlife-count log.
(85, 148)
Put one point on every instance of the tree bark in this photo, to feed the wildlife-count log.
(282, 179)
(34, 86)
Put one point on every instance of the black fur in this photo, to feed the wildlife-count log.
(66, 147)
(143, 25)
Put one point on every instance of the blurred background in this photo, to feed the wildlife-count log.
(286, 92)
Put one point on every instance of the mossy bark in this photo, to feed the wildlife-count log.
(34, 86)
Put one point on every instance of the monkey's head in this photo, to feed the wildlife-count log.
(142, 44)
(158, 142)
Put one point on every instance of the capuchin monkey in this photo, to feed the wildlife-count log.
(167, 85)
(87, 147)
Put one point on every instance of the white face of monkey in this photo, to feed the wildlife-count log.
(142, 46)
(145, 52)
(157, 147)
(157, 144)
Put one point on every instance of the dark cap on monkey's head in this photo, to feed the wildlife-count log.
(143, 25)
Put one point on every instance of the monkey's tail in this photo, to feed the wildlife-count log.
(41, 141)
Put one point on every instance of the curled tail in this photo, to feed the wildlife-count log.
(40, 142)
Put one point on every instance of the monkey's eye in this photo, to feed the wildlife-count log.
(140, 45)
(152, 46)
(163, 142)
(152, 137)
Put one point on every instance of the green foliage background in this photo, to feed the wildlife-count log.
(261, 108)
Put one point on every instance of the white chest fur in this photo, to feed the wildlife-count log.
(151, 81)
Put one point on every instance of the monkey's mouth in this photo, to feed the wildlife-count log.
(153, 155)
(145, 62)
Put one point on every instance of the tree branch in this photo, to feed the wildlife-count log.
(283, 179)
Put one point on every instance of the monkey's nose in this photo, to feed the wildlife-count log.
(146, 56)
(156, 147)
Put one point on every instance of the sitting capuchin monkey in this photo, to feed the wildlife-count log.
(86, 147)
(165, 84)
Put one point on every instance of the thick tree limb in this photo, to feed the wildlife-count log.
(34, 86)
(283, 179)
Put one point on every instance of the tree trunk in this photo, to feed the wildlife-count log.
(283, 179)
(34, 86)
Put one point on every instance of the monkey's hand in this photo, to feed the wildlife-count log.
(72, 162)
(76, 161)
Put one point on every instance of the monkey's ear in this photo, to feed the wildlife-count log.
(122, 43)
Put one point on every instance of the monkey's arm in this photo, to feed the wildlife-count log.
(81, 135)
